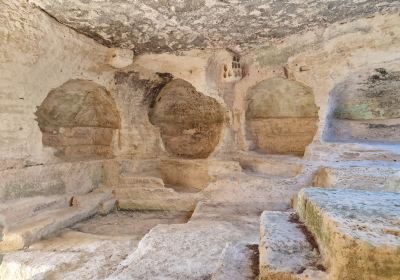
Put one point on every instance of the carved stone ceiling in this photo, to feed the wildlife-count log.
(173, 25)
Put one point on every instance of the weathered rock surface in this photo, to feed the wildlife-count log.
(176, 25)
(190, 122)
(153, 198)
(195, 174)
(365, 107)
(285, 249)
(392, 184)
(357, 231)
(48, 180)
(78, 119)
(364, 178)
(22, 234)
(282, 166)
(282, 116)
(140, 182)
(13, 211)
(72, 255)
(239, 262)
(189, 251)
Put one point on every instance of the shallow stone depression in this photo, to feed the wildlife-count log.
(131, 224)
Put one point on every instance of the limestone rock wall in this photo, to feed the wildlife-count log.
(37, 54)
(321, 60)
(365, 107)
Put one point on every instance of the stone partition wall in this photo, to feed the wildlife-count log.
(78, 119)
(281, 116)
(366, 107)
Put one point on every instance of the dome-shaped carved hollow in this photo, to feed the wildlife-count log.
(365, 107)
(281, 116)
(190, 122)
(78, 119)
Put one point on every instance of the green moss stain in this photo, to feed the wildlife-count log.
(354, 112)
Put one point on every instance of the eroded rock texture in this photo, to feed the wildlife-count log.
(78, 119)
(188, 131)
(282, 116)
(366, 107)
(179, 25)
(190, 122)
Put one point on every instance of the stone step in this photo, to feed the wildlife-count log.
(357, 231)
(140, 182)
(179, 251)
(273, 165)
(28, 231)
(286, 250)
(155, 199)
(238, 262)
(13, 211)
(355, 177)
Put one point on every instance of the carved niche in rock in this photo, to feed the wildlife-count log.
(190, 122)
(78, 119)
(366, 107)
(281, 116)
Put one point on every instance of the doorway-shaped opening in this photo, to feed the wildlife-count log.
(281, 116)
(190, 122)
(78, 119)
(366, 108)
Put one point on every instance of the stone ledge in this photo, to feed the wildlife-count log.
(357, 231)
(286, 252)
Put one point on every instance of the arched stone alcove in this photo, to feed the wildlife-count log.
(365, 108)
(78, 119)
(281, 116)
(191, 122)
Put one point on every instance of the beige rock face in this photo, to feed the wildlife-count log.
(166, 160)
(357, 231)
(285, 251)
(282, 116)
(373, 178)
(190, 122)
(120, 58)
(365, 106)
(79, 119)
(37, 55)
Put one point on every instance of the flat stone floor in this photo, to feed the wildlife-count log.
(130, 223)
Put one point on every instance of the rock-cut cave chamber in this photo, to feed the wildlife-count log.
(200, 140)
